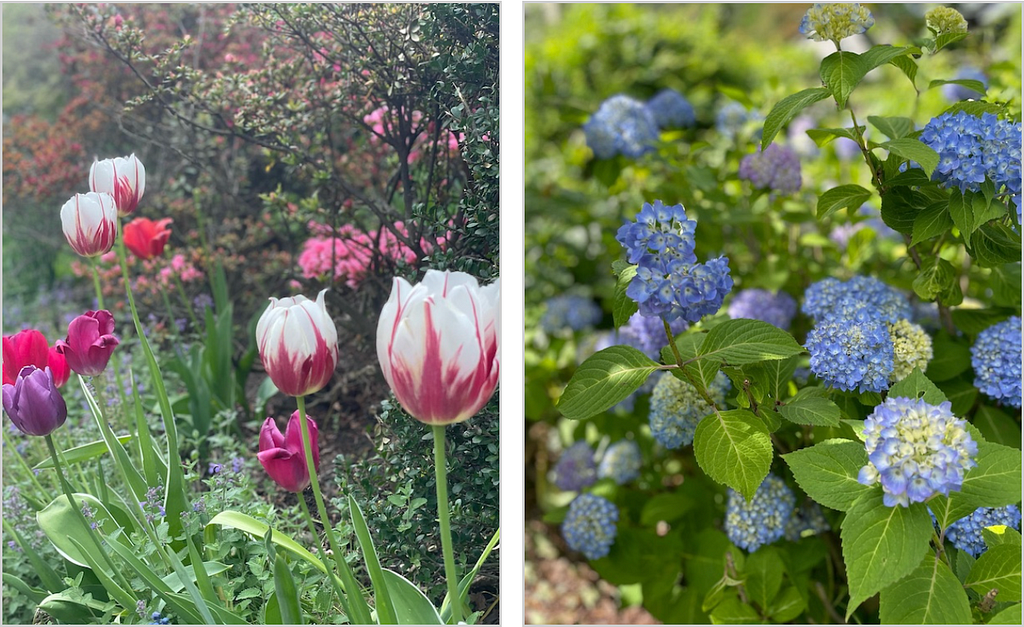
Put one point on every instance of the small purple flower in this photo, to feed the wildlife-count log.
(215, 468)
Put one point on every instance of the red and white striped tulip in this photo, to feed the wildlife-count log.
(124, 178)
(298, 344)
(438, 345)
(89, 222)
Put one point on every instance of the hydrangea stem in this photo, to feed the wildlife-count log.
(441, 479)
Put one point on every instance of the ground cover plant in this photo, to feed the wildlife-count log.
(213, 345)
(773, 312)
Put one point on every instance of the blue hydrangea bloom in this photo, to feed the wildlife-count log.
(835, 21)
(570, 311)
(589, 525)
(996, 357)
(763, 520)
(757, 304)
(775, 168)
(732, 117)
(671, 109)
(621, 462)
(972, 149)
(965, 534)
(853, 353)
(677, 407)
(621, 125)
(669, 283)
(576, 469)
(916, 450)
(831, 296)
(807, 520)
(955, 93)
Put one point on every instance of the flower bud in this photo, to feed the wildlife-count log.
(33, 402)
(145, 238)
(284, 457)
(124, 178)
(298, 344)
(89, 343)
(90, 223)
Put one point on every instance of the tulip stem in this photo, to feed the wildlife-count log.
(358, 611)
(441, 479)
(322, 555)
(117, 371)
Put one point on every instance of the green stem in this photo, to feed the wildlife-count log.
(316, 536)
(441, 479)
(117, 371)
(698, 385)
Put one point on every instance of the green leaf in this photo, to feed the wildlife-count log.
(962, 214)
(604, 379)
(976, 108)
(848, 196)
(60, 523)
(827, 472)
(884, 53)
(997, 426)
(934, 220)
(623, 306)
(961, 394)
(743, 341)
(950, 358)
(774, 375)
(411, 605)
(974, 321)
(823, 136)
(997, 535)
(909, 68)
(34, 594)
(937, 279)
(900, 205)
(914, 150)
(999, 568)
(787, 108)
(945, 39)
(787, 606)
(734, 448)
(931, 595)
(764, 571)
(811, 411)
(994, 244)
(916, 386)
(971, 84)
(881, 545)
(892, 127)
(82, 453)
(248, 524)
(385, 608)
(994, 482)
(1009, 616)
(287, 593)
(669, 507)
(732, 611)
(841, 72)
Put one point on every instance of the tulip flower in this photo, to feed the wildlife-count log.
(33, 402)
(124, 178)
(145, 238)
(29, 348)
(284, 457)
(89, 343)
(90, 223)
(437, 343)
(298, 344)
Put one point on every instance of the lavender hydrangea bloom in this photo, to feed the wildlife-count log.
(621, 125)
(648, 334)
(677, 407)
(671, 109)
(763, 520)
(589, 525)
(835, 21)
(996, 357)
(831, 296)
(965, 534)
(576, 469)
(776, 168)
(621, 462)
(570, 312)
(757, 304)
(916, 450)
(972, 149)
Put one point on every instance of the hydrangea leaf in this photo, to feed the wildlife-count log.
(827, 472)
(962, 214)
(1009, 616)
(603, 380)
(732, 611)
(931, 595)
(974, 321)
(823, 136)
(841, 72)
(704, 370)
(764, 571)
(744, 341)
(945, 39)
(811, 411)
(900, 205)
(969, 83)
(893, 127)
(976, 108)
(881, 545)
(908, 66)
(787, 606)
(916, 385)
(787, 108)
(623, 306)
(884, 53)
(999, 568)
(994, 244)
(938, 279)
(951, 358)
(848, 196)
(774, 375)
(961, 394)
(997, 426)
(735, 449)
(934, 220)
(914, 150)
(1001, 534)
(996, 480)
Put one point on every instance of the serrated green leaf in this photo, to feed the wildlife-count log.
(915, 386)
(743, 341)
(974, 321)
(881, 545)
(945, 39)
(734, 448)
(914, 150)
(900, 205)
(732, 611)
(962, 214)
(787, 606)
(994, 482)
(1009, 616)
(997, 426)
(623, 307)
(787, 108)
(909, 68)
(961, 394)
(999, 568)
(764, 571)
(994, 244)
(774, 375)
(892, 127)
(930, 595)
(937, 279)
(884, 53)
(844, 196)
(841, 72)
(822, 136)
(827, 472)
(604, 379)
(811, 411)
(976, 108)
(933, 221)
(950, 358)
(1000, 534)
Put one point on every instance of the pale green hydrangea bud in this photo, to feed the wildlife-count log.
(944, 21)
(834, 21)
(912, 348)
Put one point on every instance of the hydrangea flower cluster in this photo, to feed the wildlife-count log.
(589, 525)
(916, 450)
(576, 469)
(621, 125)
(763, 520)
(806, 521)
(830, 297)
(671, 109)
(732, 117)
(944, 21)
(996, 357)
(570, 311)
(677, 407)
(835, 21)
(757, 304)
(621, 462)
(955, 93)
(669, 283)
(912, 348)
(972, 149)
(775, 168)
(965, 534)
(851, 354)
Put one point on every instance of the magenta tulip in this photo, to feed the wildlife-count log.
(33, 402)
(89, 343)
(89, 222)
(284, 457)
(124, 178)
(298, 344)
(438, 345)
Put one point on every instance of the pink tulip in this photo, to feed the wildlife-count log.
(89, 343)
(298, 344)
(124, 178)
(90, 223)
(284, 457)
(438, 345)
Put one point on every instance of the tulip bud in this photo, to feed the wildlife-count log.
(29, 348)
(284, 457)
(90, 223)
(89, 343)
(145, 238)
(33, 402)
(124, 178)
(438, 345)
(298, 344)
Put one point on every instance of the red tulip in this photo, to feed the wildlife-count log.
(284, 457)
(90, 342)
(124, 178)
(145, 238)
(298, 344)
(29, 348)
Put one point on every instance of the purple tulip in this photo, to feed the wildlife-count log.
(33, 402)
